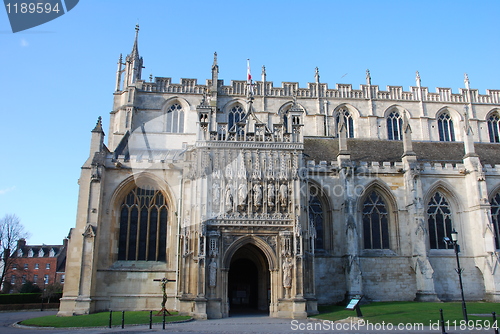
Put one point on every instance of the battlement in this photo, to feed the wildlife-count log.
(313, 90)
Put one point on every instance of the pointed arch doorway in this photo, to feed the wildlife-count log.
(249, 283)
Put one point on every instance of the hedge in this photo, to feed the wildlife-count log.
(20, 298)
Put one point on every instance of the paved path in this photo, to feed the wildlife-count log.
(234, 324)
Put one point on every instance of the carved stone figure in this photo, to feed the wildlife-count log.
(242, 193)
(283, 194)
(216, 193)
(287, 273)
(270, 194)
(257, 194)
(212, 273)
(229, 198)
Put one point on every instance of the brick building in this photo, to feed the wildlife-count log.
(39, 264)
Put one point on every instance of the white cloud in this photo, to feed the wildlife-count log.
(24, 43)
(4, 191)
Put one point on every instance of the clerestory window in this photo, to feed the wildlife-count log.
(175, 119)
(494, 128)
(445, 127)
(394, 126)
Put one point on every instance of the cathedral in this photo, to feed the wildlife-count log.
(247, 196)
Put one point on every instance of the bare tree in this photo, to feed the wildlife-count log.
(11, 230)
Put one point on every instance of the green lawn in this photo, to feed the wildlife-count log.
(411, 312)
(100, 319)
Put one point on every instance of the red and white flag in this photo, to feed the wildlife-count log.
(249, 75)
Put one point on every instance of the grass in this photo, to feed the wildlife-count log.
(100, 319)
(411, 312)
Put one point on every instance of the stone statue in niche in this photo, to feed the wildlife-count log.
(242, 193)
(229, 198)
(216, 193)
(212, 273)
(283, 193)
(287, 275)
(270, 194)
(257, 194)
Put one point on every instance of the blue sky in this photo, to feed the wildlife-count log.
(57, 78)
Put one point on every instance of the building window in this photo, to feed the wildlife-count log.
(63, 276)
(13, 279)
(494, 128)
(439, 220)
(24, 279)
(45, 279)
(375, 222)
(37, 265)
(14, 266)
(47, 266)
(316, 217)
(349, 123)
(445, 127)
(395, 126)
(143, 226)
(495, 217)
(25, 266)
(175, 119)
(35, 278)
(236, 114)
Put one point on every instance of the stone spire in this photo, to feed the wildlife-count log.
(119, 72)
(469, 135)
(97, 140)
(368, 78)
(215, 73)
(417, 79)
(466, 81)
(316, 75)
(133, 62)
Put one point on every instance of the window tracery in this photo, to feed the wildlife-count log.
(143, 226)
(175, 119)
(445, 127)
(394, 126)
(495, 218)
(494, 128)
(375, 222)
(439, 220)
(236, 114)
(348, 121)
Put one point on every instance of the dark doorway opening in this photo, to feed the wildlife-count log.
(248, 281)
(243, 287)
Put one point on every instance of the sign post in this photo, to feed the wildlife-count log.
(354, 305)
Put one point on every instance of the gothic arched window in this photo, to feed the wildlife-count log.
(349, 123)
(394, 126)
(143, 226)
(440, 221)
(445, 127)
(175, 119)
(236, 114)
(494, 128)
(495, 217)
(316, 217)
(375, 222)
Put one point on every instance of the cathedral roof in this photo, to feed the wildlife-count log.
(327, 149)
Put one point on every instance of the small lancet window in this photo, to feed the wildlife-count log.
(394, 126)
(236, 114)
(175, 119)
(445, 127)
(494, 128)
(349, 123)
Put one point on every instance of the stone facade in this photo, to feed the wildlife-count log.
(280, 198)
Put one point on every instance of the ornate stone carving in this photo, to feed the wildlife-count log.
(270, 194)
(212, 273)
(257, 195)
(283, 195)
(242, 194)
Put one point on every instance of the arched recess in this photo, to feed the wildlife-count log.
(126, 187)
(386, 195)
(256, 241)
(317, 196)
(432, 203)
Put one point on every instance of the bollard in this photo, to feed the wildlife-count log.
(150, 319)
(495, 325)
(163, 319)
(442, 321)
(123, 319)
(110, 318)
